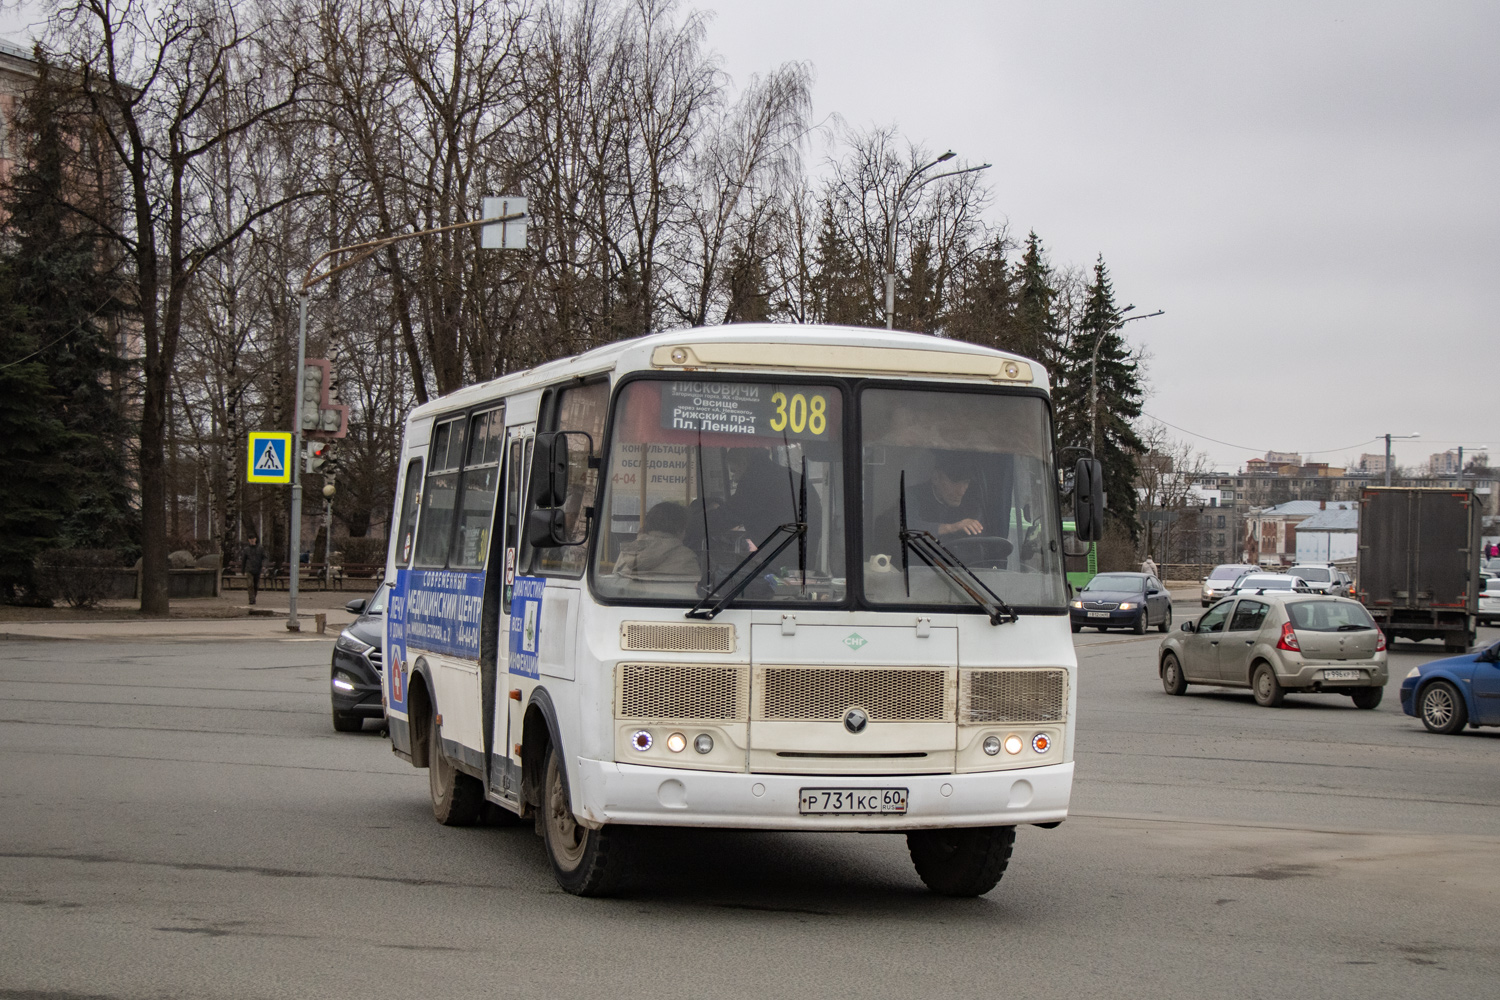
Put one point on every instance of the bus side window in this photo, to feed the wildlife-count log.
(440, 494)
(476, 504)
(406, 531)
(578, 408)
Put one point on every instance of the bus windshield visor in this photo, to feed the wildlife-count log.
(702, 473)
(973, 470)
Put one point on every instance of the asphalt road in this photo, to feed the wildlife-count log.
(180, 820)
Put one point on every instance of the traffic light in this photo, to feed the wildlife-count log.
(317, 455)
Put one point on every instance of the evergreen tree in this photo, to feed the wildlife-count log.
(1035, 332)
(919, 292)
(63, 433)
(984, 312)
(1103, 422)
(841, 285)
(748, 287)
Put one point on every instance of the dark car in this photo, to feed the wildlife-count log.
(357, 663)
(1122, 600)
(1455, 691)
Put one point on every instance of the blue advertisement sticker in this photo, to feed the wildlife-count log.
(526, 624)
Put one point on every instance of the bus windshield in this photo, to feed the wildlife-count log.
(701, 475)
(972, 469)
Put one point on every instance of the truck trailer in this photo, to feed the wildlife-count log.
(1419, 562)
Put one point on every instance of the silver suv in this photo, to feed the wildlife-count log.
(1277, 643)
(1323, 578)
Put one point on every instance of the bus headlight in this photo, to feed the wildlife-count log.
(992, 745)
(640, 740)
(677, 743)
(703, 743)
(1013, 744)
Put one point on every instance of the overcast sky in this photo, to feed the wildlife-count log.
(1310, 190)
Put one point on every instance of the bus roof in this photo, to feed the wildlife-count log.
(769, 347)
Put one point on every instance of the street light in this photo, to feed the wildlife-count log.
(890, 258)
(365, 250)
(1388, 437)
(1094, 371)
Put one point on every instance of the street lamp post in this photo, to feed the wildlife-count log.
(1094, 372)
(1388, 437)
(364, 251)
(890, 257)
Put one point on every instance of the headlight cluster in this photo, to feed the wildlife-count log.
(1014, 744)
(1414, 672)
(350, 644)
(1128, 606)
(642, 740)
(1075, 604)
(343, 682)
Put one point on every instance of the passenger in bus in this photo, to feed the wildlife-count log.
(658, 554)
(765, 495)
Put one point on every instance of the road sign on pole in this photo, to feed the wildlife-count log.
(269, 458)
(507, 235)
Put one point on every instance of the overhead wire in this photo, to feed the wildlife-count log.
(1247, 447)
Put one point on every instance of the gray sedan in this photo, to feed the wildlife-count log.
(1279, 642)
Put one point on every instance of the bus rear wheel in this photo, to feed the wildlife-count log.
(963, 862)
(585, 862)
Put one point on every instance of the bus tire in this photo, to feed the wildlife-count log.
(967, 861)
(585, 862)
(457, 798)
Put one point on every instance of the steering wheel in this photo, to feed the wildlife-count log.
(979, 551)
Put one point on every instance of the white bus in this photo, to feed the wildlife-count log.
(763, 576)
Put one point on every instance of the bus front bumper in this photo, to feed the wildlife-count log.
(610, 792)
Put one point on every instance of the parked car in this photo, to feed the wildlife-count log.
(1218, 583)
(1277, 643)
(357, 665)
(1489, 602)
(1122, 600)
(1455, 691)
(1259, 583)
(1323, 579)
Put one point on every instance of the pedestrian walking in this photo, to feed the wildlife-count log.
(1148, 566)
(252, 560)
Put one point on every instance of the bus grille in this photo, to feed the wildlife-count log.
(826, 693)
(680, 691)
(1012, 695)
(670, 637)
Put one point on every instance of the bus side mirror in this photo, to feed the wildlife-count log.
(549, 470)
(547, 528)
(1088, 499)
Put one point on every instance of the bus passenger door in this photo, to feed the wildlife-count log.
(517, 671)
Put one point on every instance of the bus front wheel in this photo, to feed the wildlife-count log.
(963, 862)
(585, 862)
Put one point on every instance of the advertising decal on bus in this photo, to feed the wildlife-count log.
(526, 624)
(432, 610)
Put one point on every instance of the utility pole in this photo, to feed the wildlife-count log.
(361, 252)
(1414, 434)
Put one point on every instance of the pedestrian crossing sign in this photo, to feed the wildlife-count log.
(269, 457)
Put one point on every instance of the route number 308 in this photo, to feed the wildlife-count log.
(800, 413)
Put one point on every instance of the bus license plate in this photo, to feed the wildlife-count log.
(852, 801)
(1343, 675)
(1098, 614)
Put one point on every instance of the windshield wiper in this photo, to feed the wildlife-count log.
(760, 558)
(931, 551)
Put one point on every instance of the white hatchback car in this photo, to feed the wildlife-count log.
(1489, 602)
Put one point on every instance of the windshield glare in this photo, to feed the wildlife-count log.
(701, 473)
(1116, 581)
(973, 470)
(1312, 574)
(1264, 583)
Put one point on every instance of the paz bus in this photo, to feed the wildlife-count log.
(762, 577)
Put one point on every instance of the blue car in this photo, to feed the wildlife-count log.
(1456, 691)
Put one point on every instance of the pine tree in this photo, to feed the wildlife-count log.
(56, 299)
(984, 312)
(1034, 330)
(1103, 423)
(841, 286)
